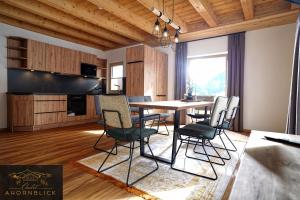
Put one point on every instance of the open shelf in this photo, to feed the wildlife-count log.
(17, 58)
(16, 52)
(16, 48)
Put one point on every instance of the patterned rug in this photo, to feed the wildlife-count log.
(166, 183)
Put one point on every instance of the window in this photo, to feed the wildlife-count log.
(116, 76)
(207, 75)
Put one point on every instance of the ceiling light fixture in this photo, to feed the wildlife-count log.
(164, 35)
(165, 40)
(156, 29)
(176, 37)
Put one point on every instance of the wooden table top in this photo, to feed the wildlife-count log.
(268, 170)
(171, 105)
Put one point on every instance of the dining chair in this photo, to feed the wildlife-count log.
(118, 125)
(163, 117)
(135, 110)
(205, 133)
(101, 123)
(232, 108)
(196, 113)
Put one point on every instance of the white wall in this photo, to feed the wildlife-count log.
(3, 82)
(7, 30)
(206, 47)
(268, 68)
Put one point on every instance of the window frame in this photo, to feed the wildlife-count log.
(111, 65)
(223, 54)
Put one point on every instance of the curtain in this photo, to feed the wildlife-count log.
(235, 84)
(293, 123)
(180, 74)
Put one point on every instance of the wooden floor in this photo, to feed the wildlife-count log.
(62, 146)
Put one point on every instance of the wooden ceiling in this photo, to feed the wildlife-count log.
(110, 24)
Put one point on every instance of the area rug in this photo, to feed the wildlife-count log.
(166, 183)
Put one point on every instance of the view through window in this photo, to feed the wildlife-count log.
(207, 75)
(116, 78)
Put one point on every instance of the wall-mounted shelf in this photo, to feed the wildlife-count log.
(16, 52)
(16, 48)
(16, 58)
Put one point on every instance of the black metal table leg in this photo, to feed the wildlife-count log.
(142, 143)
(175, 135)
(174, 144)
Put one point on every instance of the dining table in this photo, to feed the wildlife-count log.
(175, 105)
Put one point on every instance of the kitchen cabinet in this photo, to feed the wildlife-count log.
(135, 54)
(50, 58)
(146, 72)
(161, 63)
(135, 79)
(36, 112)
(36, 55)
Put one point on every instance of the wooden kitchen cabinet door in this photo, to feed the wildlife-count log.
(21, 110)
(161, 73)
(36, 55)
(135, 79)
(90, 107)
(134, 54)
(50, 58)
(84, 57)
(75, 62)
(58, 59)
(66, 60)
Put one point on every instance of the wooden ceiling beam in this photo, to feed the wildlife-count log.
(116, 9)
(33, 28)
(17, 13)
(248, 9)
(76, 9)
(149, 5)
(258, 23)
(205, 10)
(43, 10)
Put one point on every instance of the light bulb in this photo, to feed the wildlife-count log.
(156, 27)
(165, 32)
(176, 40)
(176, 37)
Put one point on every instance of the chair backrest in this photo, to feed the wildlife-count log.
(120, 105)
(135, 99)
(206, 98)
(232, 106)
(147, 98)
(219, 107)
(97, 105)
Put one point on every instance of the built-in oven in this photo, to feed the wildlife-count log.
(76, 105)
